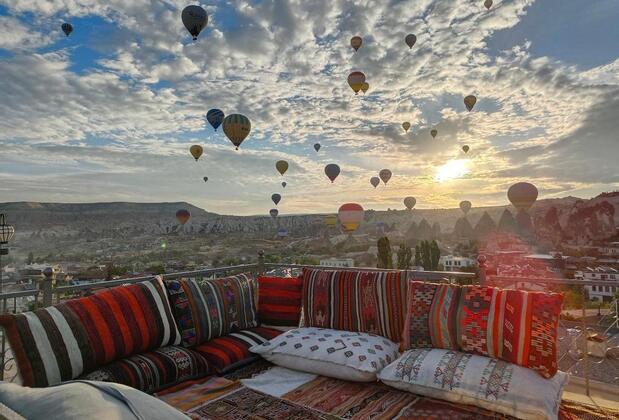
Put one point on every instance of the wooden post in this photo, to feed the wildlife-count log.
(481, 261)
(260, 266)
(46, 286)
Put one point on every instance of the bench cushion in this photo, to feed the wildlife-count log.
(155, 370)
(371, 301)
(232, 351)
(207, 309)
(64, 341)
(513, 325)
(279, 301)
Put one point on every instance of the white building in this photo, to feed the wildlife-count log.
(455, 263)
(338, 262)
(609, 250)
(601, 274)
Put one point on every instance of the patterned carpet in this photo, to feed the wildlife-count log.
(326, 398)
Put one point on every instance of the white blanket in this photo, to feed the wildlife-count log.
(278, 381)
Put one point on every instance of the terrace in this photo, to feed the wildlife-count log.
(594, 374)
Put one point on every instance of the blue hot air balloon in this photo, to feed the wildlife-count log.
(215, 117)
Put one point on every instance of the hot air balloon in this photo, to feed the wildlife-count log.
(273, 213)
(410, 40)
(375, 181)
(215, 117)
(316, 146)
(522, 195)
(332, 171)
(281, 166)
(469, 102)
(465, 206)
(385, 175)
(195, 19)
(205, 178)
(276, 198)
(356, 80)
(196, 151)
(236, 128)
(488, 4)
(284, 184)
(356, 42)
(433, 133)
(364, 87)
(406, 125)
(465, 148)
(282, 232)
(351, 216)
(331, 220)
(67, 28)
(410, 202)
(183, 216)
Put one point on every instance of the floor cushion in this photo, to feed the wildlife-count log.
(431, 316)
(352, 356)
(85, 400)
(279, 301)
(153, 371)
(232, 351)
(207, 309)
(513, 325)
(364, 301)
(64, 341)
(476, 380)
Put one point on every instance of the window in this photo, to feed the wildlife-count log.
(607, 289)
(594, 288)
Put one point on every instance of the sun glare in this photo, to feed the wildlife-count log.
(453, 169)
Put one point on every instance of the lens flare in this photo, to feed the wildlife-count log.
(453, 169)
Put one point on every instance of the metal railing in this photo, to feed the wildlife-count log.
(573, 338)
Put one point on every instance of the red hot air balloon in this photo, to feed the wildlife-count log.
(183, 216)
(351, 216)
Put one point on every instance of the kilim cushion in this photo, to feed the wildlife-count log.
(232, 351)
(372, 302)
(514, 325)
(155, 370)
(352, 356)
(208, 309)
(476, 380)
(74, 337)
(431, 317)
(279, 301)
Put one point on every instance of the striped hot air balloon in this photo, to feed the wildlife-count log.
(215, 117)
(356, 80)
(351, 216)
(236, 128)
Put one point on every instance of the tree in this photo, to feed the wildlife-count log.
(435, 255)
(426, 255)
(405, 254)
(385, 257)
(30, 258)
(418, 261)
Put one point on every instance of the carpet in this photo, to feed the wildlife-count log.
(278, 381)
(189, 396)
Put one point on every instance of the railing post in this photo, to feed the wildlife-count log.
(260, 266)
(46, 286)
(586, 335)
(481, 261)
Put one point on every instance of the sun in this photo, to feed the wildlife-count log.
(453, 169)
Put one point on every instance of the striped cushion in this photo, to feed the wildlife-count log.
(226, 353)
(153, 371)
(208, 309)
(61, 342)
(279, 301)
(431, 317)
(371, 302)
(514, 325)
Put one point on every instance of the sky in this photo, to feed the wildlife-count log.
(109, 113)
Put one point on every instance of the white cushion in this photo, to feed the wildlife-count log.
(351, 356)
(477, 380)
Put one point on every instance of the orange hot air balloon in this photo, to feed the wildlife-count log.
(356, 80)
(183, 216)
(196, 151)
(356, 42)
(465, 148)
(351, 216)
(470, 102)
(281, 166)
(522, 195)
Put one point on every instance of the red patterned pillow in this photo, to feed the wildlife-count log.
(514, 325)
(431, 317)
(279, 301)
